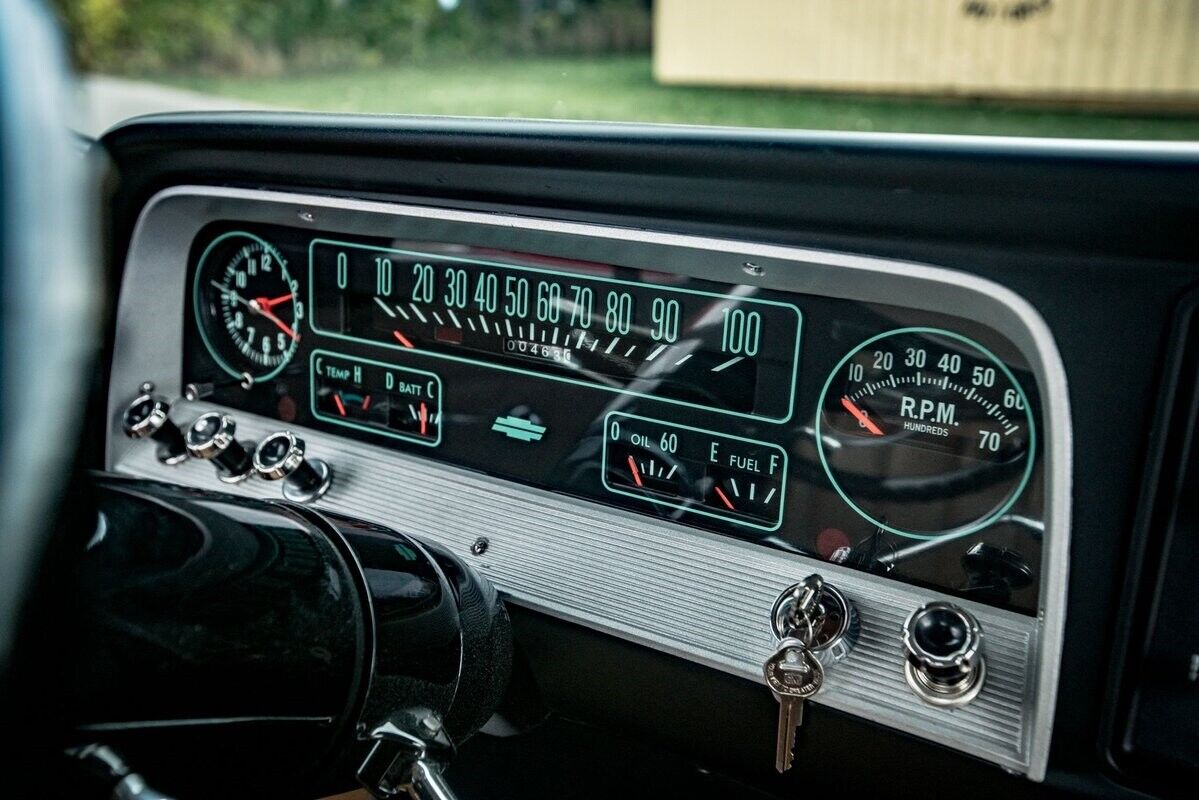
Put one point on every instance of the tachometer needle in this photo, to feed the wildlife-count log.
(724, 498)
(861, 417)
(636, 472)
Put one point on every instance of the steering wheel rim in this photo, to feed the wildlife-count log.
(49, 298)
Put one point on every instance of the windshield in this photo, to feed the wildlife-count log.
(1060, 68)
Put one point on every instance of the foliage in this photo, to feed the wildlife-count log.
(261, 37)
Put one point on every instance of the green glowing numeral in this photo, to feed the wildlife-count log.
(383, 276)
(549, 299)
(343, 270)
(516, 297)
(456, 288)
(584, 305)
(665, 315)
(619, 315)
(742, 332)
(422, 290)
(487, 292)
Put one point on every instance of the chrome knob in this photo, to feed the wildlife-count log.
(280, 456)
(212, 438)
(148, 417)
(943, 643)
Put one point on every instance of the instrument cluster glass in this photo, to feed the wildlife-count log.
(891, 440)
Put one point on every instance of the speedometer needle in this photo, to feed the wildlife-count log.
(861, 417)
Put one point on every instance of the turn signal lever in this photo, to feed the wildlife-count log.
(299, 650)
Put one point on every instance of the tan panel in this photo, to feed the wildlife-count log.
(1109, 50)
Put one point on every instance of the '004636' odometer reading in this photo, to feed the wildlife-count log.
(582, 323)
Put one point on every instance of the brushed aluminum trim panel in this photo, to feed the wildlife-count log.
(633, 576)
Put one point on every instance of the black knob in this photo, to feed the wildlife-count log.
(148, 416)
(280, 456)
(943, 644)
(212, 438)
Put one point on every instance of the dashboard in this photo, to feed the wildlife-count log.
(904, 446)
(650, 434)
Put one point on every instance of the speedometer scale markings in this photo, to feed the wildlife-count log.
(728, 352)
(922, 412)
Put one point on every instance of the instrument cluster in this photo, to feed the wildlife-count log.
(891, 440)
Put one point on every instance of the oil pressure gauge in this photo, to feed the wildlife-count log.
(925, 433)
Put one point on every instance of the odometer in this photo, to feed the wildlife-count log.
(925, 433)
(622, 330)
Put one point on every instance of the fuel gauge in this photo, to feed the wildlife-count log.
(695, 470)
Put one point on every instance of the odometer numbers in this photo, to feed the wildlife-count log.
(925, 433)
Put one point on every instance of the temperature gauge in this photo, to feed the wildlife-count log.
(695, 470)
(398, 402)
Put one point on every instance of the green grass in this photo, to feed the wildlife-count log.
(623, 89)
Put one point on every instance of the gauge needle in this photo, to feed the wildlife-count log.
(280, 324)
(341, 407)
(268, 303)
(724, 498)
(225, 290)
(424, 419)
(636, 472)
(861, 417)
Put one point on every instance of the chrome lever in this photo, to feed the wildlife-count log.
(399, 764)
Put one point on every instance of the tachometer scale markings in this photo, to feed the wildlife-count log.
(938, 428)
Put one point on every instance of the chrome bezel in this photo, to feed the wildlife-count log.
(964, 657)
(946, 695)
(290, 462)
(215, 444)
(151, 423)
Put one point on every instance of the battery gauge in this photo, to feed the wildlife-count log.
(371, 396)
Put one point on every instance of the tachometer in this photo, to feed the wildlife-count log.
(925, 433)
(246, 306)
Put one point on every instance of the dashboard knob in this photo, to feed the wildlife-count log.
(212, 438)
(280, 456)
(943, 644)
(148, 416)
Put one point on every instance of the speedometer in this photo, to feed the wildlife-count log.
(925, 433)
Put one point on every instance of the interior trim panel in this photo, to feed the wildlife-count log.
(693, 593)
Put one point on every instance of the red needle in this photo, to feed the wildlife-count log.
(636, 474)
(341, 407)
(724, 498)
(861, 417)
(280, 324)
(366, 402)
(424, 419)
(402, 339)
(270, 302)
